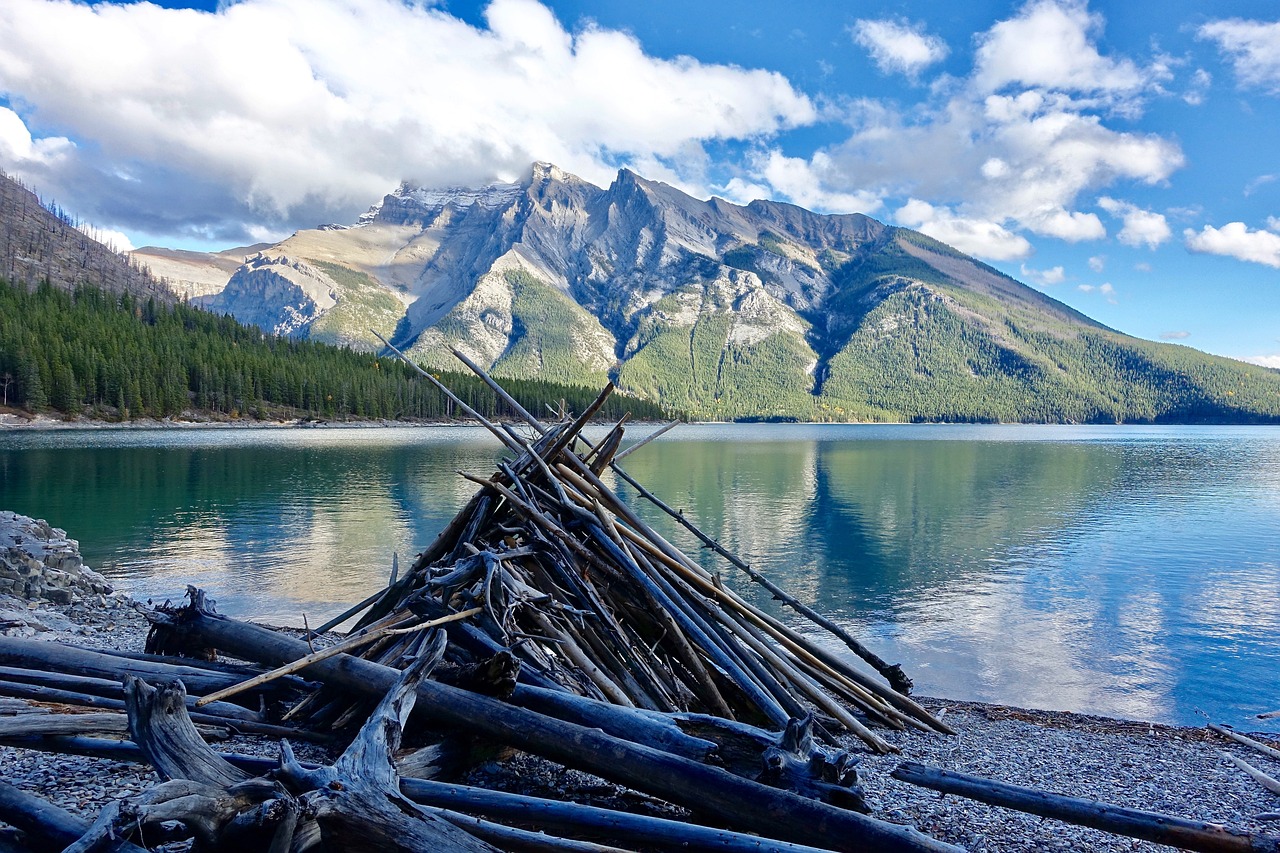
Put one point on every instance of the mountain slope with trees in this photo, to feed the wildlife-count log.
(762, 311)
(117, 357)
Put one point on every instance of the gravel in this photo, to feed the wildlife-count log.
(1177, 771)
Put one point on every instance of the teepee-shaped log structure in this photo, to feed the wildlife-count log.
(571, 583)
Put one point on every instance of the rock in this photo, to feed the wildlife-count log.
(39, 562)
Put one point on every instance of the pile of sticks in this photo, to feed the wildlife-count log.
(564, 575)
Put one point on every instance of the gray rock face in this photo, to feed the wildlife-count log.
(707, 305)
(279, 294)
(40, 563)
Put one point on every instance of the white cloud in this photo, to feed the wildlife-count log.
(1253, 48)
(1195, 93)
(1236, 240)
(898, 46)
(983, 238)
(1049, 277)
(1175, 336)
(116, 240)
(1097, 263)
(803, 182)
(18, 148)
(1258, 183)
(1106, 290)
(274, 111)
(1022, 159)
(1141, 227)
(1048, 44)
(1272, 361)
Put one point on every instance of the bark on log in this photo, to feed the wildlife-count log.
(1118, 820)
(773, 813)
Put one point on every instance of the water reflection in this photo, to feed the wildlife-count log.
(1129, 571)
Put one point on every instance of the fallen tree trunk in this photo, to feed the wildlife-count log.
(48, 829)
(592, 822)
(711, 791)
(63, 684)
(56, 657)
(1135, 823)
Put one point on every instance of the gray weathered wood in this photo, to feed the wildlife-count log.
(1135, 823)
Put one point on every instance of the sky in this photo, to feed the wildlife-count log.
(1118, 156)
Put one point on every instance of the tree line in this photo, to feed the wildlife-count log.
(122, 357)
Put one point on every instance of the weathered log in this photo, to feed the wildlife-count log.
(1269, 782)
(1231, 734)
(593, 822)
(892, 672)
(357, 802)
(39, 654)
(1118, 820)
(519, 840)
(161, 727)
(47, 827)
(45, 725)
(711, 791)
(81, 689)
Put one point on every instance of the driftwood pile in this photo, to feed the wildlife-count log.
(548, 618)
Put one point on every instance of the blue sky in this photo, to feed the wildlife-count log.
(1118, 156)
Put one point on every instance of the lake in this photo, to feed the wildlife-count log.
(1129, 571)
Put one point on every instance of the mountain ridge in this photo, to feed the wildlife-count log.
(764, 310)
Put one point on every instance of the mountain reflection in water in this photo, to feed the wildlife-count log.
(1132, 571)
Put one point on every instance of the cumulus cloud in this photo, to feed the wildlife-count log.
(1141, 227)
(1049, 44)
(1097, 263)
(1253, 47)
(1049, 277)
(1175, 336)
(1236, 240)
(1014, 148)
(19, 149)
(898, 46)
(1022, 160)
(276, 111)
(802, 182)
(1272, 361)
(980, 237)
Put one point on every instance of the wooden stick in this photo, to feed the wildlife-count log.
(1268, 751)
(892, 672)
(443, 389)
(642, 442)
(501, 392)
(1257, 775)
(345, 646)
(1118, 820)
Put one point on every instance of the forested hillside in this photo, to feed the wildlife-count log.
(119, 357)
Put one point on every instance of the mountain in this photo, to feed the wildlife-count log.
(725, 311)
(41, 244)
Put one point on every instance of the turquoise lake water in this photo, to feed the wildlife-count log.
(1129, 571)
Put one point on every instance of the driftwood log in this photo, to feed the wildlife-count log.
(1135, 823)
